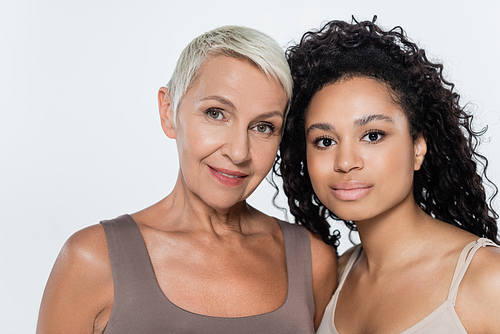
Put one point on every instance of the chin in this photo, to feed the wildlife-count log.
(223, 204)
(353, 214)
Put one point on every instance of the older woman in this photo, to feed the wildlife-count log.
(376, 137)
(202, 260)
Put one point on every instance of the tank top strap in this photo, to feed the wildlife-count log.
(133, 275)
(298, 264)
(463, 263)
(354, 256)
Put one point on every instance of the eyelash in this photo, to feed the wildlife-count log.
(377, 132)
(209, 110)
(381, 133)
(319, 139)
(271, 127)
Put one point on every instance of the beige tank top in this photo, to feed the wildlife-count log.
(443, 320)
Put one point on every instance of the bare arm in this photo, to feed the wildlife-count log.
(78, 296)
(324, 275)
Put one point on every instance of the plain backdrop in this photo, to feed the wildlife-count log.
(80, 138)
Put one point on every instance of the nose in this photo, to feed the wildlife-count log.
(347, 158)
(237, 146)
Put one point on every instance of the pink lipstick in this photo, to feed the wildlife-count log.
(227, 177)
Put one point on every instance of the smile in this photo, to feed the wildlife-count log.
(233, 176)
(227, 177)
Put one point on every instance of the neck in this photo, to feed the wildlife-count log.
(394, 237)
(184, 210)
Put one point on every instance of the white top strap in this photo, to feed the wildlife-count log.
(350, 263)
(463, 264)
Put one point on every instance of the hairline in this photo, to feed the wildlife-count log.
(237, 42)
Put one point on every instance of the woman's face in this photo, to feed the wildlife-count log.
(360, 155)
(228, 130)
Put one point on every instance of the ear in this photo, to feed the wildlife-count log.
(419, 149)
(166, 112)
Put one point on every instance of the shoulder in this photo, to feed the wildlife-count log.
(478, 293)
(86, 249)
(80, 285)
(484, 270)
(323, 255)
(324, 274)
(321, 251)
(324, 263)
(83, 263)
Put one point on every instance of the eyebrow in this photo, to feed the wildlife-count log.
(220, 99)
(229, 104)
(320, 126)
(358, 122)
(271, 114)
(371, 118)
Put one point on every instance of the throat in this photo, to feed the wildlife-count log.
(190, 212)
(393, 243)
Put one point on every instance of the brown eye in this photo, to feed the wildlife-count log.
(264, 128)
(325, 142)
(373, 136)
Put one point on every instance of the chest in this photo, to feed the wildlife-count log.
(222, 280)
(390, 303)
(186, 286)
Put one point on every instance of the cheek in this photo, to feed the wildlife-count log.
(396, 166)
(264, 154)
(317, 167)
(199, 140)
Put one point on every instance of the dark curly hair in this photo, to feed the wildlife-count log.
(449, 184)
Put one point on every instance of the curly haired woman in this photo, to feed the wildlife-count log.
(376, 137)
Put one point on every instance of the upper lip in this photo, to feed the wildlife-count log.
(349, 185)
(228, 171)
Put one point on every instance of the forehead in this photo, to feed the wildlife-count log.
(221, 66)
(239, 81)
(352, 99)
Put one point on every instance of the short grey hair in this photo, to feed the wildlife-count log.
(231, 41)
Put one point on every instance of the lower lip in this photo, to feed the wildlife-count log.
(227, 180)
(351, 194)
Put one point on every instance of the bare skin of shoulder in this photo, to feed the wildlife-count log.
(477, 302)
(416, 281)
(324, 275)
(78, 297)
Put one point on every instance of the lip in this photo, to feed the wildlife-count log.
(227, 177)
(351, 190)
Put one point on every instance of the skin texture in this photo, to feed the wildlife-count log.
(361, 160)
(349, 149)
(212, 253)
